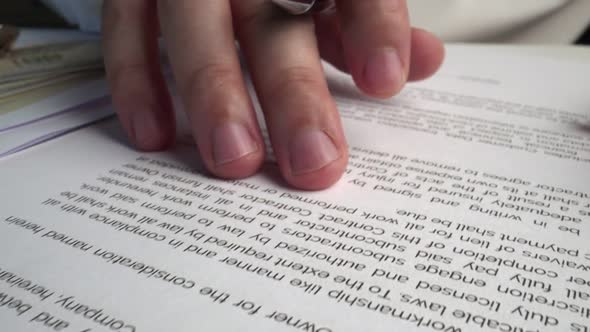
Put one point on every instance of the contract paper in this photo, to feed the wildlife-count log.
(465, 207)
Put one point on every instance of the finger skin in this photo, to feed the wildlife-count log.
(200, 42)
(376, 37)
(426, 56)
(302, 119)
(329, 35)
(133, 70)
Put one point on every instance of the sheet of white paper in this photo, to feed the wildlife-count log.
(37, 132)
(54, 105)
(465, 207)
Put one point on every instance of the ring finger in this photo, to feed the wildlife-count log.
(200, 42)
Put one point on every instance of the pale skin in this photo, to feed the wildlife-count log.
(372, 40)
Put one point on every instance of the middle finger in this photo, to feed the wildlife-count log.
(301, 116)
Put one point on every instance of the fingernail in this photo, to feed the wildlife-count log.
(231, 142)
(310, 150)
(384, 71)
(145, 129)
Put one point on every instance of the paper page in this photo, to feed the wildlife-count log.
(465, 207)
(29, 62)
(86, 91)
(42, 130)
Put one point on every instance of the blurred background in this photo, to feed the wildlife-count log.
(497, 21)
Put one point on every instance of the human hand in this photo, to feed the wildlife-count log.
(370, 39)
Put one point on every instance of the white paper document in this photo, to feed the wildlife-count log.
(54, 105)
(42, 130)
(465, 207)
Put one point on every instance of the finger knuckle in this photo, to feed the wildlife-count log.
(251, 15)
(128, 82)
(393, 6)
(127, 76)
(385, 7)
(116, 12)
(302, 91)
(295, 79)
(374, 12)
(213, 76)
(215, 88)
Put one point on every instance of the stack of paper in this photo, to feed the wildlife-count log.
(49, 90)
